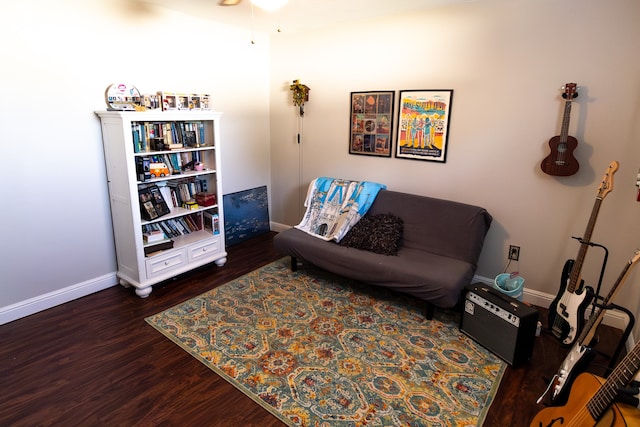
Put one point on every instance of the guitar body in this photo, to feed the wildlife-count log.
(575, 412)
(566, 312)
(561, 161)
(576, 362)
(553, 308)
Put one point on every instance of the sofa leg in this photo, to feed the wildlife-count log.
(430, 311)
(294, 264)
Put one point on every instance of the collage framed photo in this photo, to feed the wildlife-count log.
(423, 124)
(371, 123)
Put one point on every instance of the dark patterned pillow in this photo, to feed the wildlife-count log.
(380, 234)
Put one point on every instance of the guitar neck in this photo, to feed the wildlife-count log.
(564, 131)
(584, 246)
(620, 377)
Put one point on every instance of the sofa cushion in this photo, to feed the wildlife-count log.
(379, 233)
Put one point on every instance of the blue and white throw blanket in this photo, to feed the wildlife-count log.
(335, 205)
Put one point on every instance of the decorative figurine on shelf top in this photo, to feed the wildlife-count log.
(300, 95)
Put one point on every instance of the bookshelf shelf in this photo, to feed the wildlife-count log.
(156, 237)
(176, 177)
(178, 212)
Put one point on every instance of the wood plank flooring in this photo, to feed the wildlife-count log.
(95, 362)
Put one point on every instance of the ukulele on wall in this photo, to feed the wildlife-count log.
(561, 161)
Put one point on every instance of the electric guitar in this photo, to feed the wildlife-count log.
(561, 161)
(566, 312)
(581, 353)
(591, 402)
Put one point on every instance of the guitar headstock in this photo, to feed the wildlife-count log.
(606, 186)
(570, 91)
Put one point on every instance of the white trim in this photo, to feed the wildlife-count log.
(34, 305)
(276, 226)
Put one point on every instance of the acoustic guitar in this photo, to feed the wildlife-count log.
(566, 312)
(560, 162)
(582, 352)
(592, 400)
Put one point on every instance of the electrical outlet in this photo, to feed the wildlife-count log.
(514, 252)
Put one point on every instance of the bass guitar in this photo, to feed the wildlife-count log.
(591, 402)
(560, 162)
(581, 353)
(566, 312)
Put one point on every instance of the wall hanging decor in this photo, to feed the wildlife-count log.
(423, 124)
(300, 94)
(371, 123)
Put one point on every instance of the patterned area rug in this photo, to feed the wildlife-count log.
(319, 350)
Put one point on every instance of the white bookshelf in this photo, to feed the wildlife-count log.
(190, 250)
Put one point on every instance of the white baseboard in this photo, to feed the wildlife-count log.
(276, 226)
(43, 302)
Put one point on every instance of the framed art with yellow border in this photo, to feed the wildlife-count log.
(423, 124)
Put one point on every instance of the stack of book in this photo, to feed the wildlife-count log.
(155, 240)
(160, 136)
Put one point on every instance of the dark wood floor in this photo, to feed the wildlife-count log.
(95, 361)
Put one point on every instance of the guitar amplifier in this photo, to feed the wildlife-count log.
(500, 323)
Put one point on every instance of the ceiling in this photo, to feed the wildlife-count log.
(299, 15)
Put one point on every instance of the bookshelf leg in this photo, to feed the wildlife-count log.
(124, 283)
(220, 262)
(144, 292)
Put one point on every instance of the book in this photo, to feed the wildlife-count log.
(158, 246)
(153, 236)
(211, 222)
(166, 194)
(190, 138)
(143, 168)
(136, 138)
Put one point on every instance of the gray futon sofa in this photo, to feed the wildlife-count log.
(437, 253)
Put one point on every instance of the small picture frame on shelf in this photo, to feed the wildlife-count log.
(152, 203)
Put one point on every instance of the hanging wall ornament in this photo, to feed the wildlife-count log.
(300, 95)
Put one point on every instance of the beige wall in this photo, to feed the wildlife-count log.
(58, 58)
(506, 61)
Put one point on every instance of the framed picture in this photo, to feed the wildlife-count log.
(371, 123)
(423, 124)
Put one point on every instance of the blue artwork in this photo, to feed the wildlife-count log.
(246, 215)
